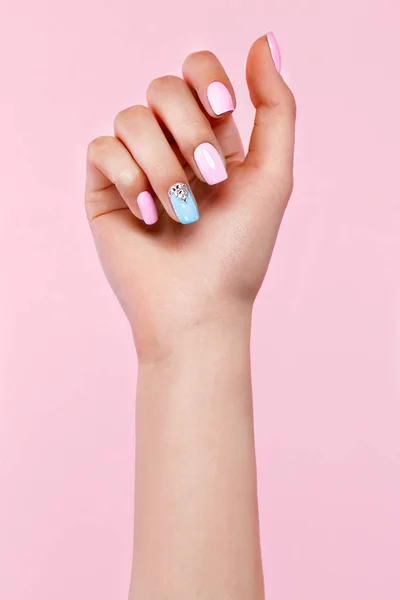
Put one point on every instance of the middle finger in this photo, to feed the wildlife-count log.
(171, 99)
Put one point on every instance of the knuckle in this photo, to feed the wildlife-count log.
(130, 116)
(163, 84)
(99, 146)
(290, 102)
(200, 55)
(289, 185)
(190, 133)
(286, 185)
(126, 179)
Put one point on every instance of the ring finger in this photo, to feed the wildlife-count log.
(138, 129)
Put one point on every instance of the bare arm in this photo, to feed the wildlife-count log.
(196, 523)
(185, 224)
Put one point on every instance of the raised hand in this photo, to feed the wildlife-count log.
(184, 221)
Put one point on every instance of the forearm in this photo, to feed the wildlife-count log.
(196, 522)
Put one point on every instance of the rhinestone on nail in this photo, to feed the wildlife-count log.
(179, 190)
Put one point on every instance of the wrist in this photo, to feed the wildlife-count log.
(195, 338)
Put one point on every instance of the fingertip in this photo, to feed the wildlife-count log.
(220, 99)
(275, 50)
(147, 207)
(205, 74)
(264, 63)
(183, 203)
(272, 141)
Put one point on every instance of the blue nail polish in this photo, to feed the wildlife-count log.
(183, 203)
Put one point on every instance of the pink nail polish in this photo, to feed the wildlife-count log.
(219, 98)
(275, 51)
(210, 163)
(147, 208)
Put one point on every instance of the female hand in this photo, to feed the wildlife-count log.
(204, 260)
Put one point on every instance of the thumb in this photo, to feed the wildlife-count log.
(272, 141)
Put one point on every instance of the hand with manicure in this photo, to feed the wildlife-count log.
(184, 221)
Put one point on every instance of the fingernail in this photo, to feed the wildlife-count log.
(183, 203)
(210, 163)
(219, 98)
(276, 53)
(147, 208)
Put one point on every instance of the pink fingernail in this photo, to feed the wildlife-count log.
(275, 51)
(210, 163)
(147, 208)
(219, 98)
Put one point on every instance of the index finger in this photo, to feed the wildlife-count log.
(205, 74)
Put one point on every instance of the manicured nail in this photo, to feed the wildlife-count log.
(210, 163)
(219, 98)
(183, 203)
(276, 53)
(147, 208)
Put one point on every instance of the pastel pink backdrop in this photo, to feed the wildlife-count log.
(326, 343)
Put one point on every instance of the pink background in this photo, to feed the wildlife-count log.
(326, 344)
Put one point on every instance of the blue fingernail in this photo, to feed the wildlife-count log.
(183, 203)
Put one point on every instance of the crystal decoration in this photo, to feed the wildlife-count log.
(179, 190)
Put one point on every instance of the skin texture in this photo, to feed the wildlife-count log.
(188, 292)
